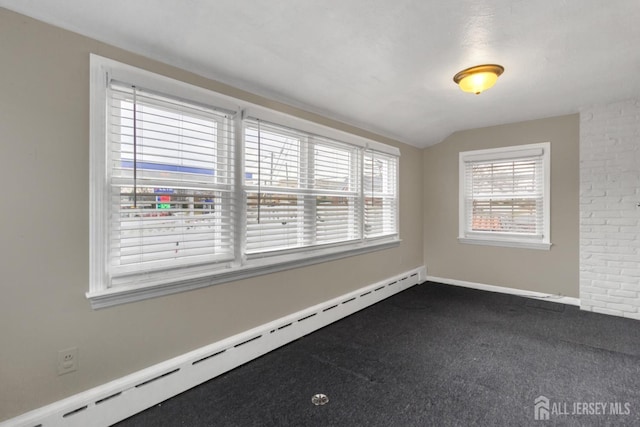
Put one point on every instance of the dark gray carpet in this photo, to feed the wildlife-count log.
(433, 355)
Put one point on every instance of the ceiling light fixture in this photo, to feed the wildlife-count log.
(479, 78)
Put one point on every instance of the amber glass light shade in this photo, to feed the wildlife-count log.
(479, 78)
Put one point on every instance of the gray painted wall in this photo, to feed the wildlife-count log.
(44, 168)
(554, 271)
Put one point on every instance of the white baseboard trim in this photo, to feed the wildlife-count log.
(491, 288)
(119, 399)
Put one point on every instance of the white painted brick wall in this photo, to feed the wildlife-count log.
(609, 212)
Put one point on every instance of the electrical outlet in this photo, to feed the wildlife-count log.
(67, 360)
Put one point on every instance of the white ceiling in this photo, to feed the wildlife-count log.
(385, 66)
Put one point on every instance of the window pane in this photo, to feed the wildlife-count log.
(272, 158)
(173, 141)
(274, 221)
(380, 198)
(161, 224)
(336, 219)
(513, 215)
(333, 168)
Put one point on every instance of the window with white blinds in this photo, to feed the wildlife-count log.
(504, 196)
(189, 190)
(304, 190)
(380, 194)
(171, 183)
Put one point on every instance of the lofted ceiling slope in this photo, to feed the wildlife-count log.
(384, 66)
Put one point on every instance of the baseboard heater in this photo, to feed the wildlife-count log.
(112, 402)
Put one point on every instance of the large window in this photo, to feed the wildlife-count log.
(504, 196)
(189, 189)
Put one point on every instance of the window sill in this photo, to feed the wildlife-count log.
(506, 243)
(124, 295)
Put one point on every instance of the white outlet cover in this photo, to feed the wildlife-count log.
(67, 360)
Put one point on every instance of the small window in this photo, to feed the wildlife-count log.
(504, 196)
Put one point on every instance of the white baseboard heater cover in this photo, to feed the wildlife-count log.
(112, 402)
(503, 290)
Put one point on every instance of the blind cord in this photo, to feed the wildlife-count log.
(373, 185)
(135, 150)
(259, 169)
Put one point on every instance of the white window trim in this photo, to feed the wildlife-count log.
(100, 295)
(495, 239)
